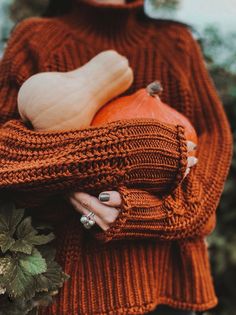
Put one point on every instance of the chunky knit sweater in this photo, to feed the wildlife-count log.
(154, 253)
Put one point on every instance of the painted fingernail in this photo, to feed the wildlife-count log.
(104, 197)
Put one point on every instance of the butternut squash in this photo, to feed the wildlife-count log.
(69, 100)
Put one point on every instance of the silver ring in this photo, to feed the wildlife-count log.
(88, 220)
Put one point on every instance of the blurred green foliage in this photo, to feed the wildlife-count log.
(21, 9)
(5, 23)
(165, 4)
(220, 53)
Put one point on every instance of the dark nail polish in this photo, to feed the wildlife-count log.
(104, 197)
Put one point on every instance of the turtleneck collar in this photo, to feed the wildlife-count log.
(99, 13)
(95, 21)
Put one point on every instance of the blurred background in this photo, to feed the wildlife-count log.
(214, 25)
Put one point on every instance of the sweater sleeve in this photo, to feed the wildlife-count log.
(38, 164)
(189, 211)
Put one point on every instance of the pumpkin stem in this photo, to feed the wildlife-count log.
(154, 88)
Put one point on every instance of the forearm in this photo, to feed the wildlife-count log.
(44, 163)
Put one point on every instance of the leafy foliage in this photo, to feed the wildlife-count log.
(26, 8)
(29, 276)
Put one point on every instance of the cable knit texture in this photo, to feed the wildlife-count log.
(154, 253)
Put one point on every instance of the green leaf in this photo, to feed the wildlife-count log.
(26, 245)
(34, 311)
(48, 252)
(34, 264)
(43, 299)
(18, 282)
(10, 217)
(52, 279)
(6, 241)
(42, 283)
(6, 265)
(40, 239)
(21, 284)
(28, 272)
(27, 237)
(16, 307)
(22, 246)
(25, 229)
(44, 227)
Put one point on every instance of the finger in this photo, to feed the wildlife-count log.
(106, 213)
(191, 146)
(111, 198)
(192, 160)
(84, 211)
(83, 198)
(187, 172)
(78, 207)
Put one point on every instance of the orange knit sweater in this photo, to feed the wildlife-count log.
(154, 253)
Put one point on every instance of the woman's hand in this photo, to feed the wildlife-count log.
(104, 208)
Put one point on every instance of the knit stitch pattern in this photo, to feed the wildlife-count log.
(154, 253)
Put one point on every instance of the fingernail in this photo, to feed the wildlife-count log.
(191, 146)
(104, 197)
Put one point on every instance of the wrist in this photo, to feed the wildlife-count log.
(156, 160)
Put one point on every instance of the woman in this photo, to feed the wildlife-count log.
(146, 253)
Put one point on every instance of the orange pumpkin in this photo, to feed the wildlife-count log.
(145, 103)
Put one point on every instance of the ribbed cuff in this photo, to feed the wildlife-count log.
(136, 219)
(160, 163)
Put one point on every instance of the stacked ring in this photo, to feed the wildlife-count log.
(88, 220)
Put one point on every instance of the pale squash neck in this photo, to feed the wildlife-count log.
(96, 22)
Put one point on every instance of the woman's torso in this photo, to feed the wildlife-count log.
(128, 276)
